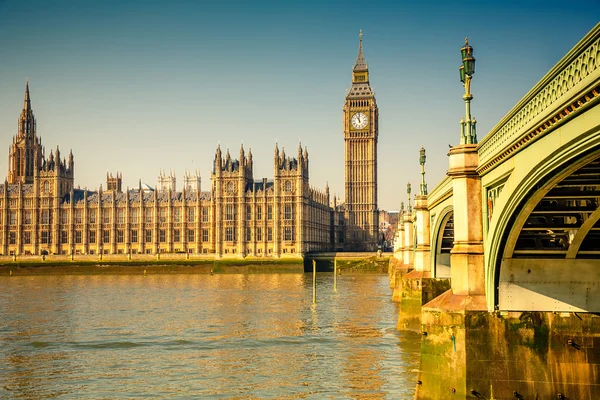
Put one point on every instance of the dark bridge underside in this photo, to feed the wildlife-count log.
(566, 222)
(555, 262)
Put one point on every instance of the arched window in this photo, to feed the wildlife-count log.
(288, 186)
(46, 188)
(230, 187)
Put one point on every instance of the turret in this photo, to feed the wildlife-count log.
(218, 161)
(25, 151)
(71, 162)
(114, 183)
(192, 182)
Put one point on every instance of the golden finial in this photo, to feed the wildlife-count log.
(360, 35)
(466, 41)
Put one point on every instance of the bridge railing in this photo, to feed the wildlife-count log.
(564, 90)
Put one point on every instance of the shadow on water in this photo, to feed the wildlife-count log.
(322, 265)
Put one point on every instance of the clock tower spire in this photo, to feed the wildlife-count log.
(361, 130)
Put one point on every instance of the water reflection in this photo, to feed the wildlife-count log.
(219, 336)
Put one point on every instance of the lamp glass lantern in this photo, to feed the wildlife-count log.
(422, 156)
(469, 65)
(468, 61)
(464, 51)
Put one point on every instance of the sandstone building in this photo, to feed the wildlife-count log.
(42, 212)
(361, 130)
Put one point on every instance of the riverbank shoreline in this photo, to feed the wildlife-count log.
(60, 265)
(148, 269)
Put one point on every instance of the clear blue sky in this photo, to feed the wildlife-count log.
(140, 86)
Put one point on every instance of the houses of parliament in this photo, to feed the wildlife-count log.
(42, 212)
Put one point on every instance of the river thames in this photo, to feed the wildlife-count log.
(222, 336)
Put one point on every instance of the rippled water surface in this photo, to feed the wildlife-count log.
(222, 336)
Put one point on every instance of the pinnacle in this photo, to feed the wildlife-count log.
(361, 64)
(27, 101)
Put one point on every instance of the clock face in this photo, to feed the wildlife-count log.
(359, 120)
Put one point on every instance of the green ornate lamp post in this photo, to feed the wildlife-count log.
(468, 133)
(422, 162)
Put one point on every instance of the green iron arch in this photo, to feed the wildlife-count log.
(526, 195)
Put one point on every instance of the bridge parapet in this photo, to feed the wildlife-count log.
(569, 88)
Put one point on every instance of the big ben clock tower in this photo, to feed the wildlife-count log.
(361, 118)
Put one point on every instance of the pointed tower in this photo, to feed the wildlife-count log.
(166, 182)
(192, 182)
(26, 150)
(361, 119)
(114, 183)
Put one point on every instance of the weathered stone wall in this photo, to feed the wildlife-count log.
(415, 291)
(529, 355)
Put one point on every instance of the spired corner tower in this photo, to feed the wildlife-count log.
(26, 152)
(361, 120)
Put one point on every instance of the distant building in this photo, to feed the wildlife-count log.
(166, 182)
(388, 222)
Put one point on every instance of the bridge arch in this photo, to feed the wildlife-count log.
(546, 269)
(442, 240)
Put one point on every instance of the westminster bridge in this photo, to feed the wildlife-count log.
(499, 264)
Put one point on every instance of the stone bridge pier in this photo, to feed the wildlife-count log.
(498, 266)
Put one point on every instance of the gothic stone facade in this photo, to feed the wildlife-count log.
(361, 130)
(43, 213)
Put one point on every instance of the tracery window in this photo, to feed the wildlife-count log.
(287, 211)
(258, 213)
(134, 216)
(78, 216)
(228, 212)
(64, 217)
(12, 217)
(229, 234)
(120, 216)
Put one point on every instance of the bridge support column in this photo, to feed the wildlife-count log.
(418, 287)
(467, 272)
(397, 260)
(405, 255)
(408, 242)
(421, 254)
